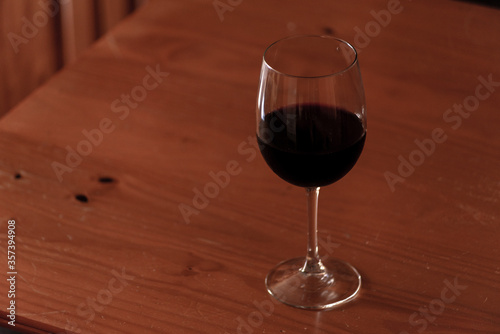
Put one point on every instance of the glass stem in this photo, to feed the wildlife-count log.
(313, 263)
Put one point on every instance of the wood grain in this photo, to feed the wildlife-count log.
(40, 37)
(29, 52)
(126, 261)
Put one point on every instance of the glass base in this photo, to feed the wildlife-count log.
(338, 284)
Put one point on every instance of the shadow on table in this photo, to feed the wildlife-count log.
(490, 3)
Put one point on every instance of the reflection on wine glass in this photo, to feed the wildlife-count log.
(311, 129)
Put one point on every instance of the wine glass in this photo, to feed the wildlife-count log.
(311, 129)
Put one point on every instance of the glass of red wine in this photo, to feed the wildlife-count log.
(311, 129)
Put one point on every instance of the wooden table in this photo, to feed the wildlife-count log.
(108, 172)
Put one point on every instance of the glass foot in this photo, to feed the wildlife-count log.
(339, 283)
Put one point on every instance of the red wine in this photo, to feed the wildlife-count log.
(311, 145)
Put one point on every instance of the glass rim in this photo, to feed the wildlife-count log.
(341, 41)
